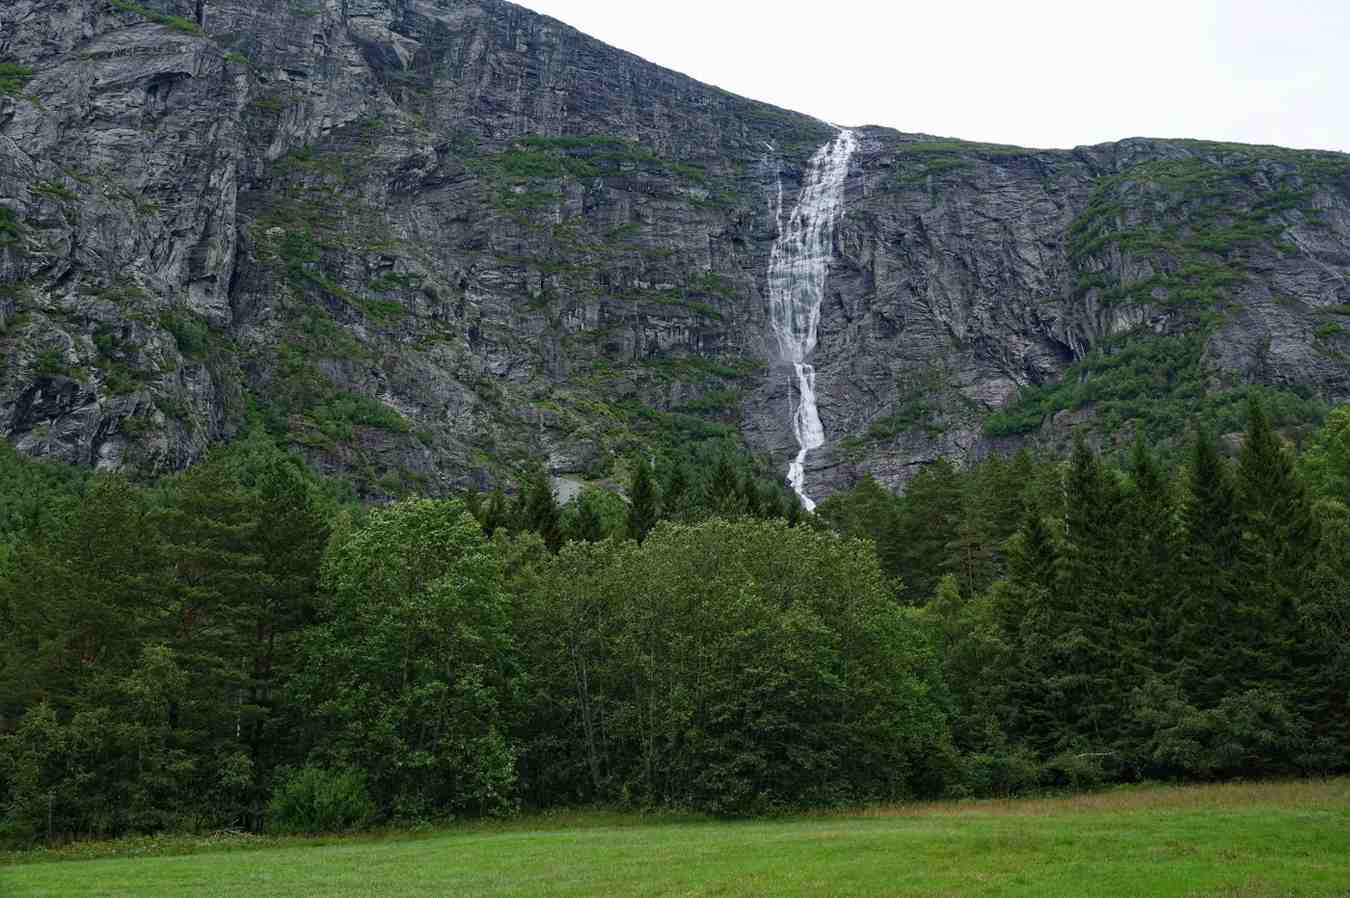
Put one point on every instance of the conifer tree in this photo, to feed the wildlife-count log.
(1091, 635)
(81, 594)
(642, 512)
(1199, 645)
(1029, 614)
(210, 527)
(675, 491)
(1276, 554)
(1148, 547)
(496, 513)
(724, 488)
(291, 536)
(925, 546)
(589, 527)
(540, 511)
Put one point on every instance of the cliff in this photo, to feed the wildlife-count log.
(425, 241)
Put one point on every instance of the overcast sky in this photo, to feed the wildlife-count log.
(1040, 73)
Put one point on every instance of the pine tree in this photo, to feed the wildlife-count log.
(642, 512)
(210, 527)
(80, 595)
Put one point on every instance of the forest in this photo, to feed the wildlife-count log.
(242, 646)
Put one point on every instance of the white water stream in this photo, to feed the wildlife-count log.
(796, 282)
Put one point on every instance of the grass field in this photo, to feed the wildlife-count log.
(1273, 840)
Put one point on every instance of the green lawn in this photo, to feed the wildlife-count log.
(1272, 841)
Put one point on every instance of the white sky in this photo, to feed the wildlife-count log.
(1040, 73)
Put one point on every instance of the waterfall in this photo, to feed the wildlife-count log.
(796, 283)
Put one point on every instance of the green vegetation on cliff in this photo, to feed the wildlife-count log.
(1156, 384)
(13, 77)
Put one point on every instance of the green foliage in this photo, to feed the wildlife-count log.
(1143, 621)
(190, 332)
(225, 649)
(1159, 382)
(420, 708)
(1325, 462)
(55, 190)
(144, 632)
(536, 164)
(679, 667)
(933, 166)
(642, 512)
(946, 147)
(923, 162)
(315, 800)
(177, 23)
(13, 77)
(51, 363)
(539, 511)
(31, 491)
(1195, 222)
(1247, 732)
(11, 229)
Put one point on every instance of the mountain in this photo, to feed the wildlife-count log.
(427, 241)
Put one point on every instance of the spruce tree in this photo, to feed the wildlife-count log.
(925, 544)
(1030, 615)
(1148, 545)
(1206, 584)
(642, 512)
(1093, 631)
(1277, 552)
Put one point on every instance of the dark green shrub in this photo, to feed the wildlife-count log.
(316, 800)
(177, 23)
(189, 332)
(997, 774)
(13, 77)
(1080, 770)
(10, 227)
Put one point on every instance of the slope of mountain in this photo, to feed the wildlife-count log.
(429, 240)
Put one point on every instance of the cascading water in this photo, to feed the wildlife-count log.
(796, 283)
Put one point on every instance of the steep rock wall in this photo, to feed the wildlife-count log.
(427, 242)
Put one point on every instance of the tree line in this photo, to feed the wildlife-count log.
(235, 646)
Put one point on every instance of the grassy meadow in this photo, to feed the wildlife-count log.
(1271, 840)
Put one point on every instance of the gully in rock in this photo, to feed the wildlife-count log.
(796, 283)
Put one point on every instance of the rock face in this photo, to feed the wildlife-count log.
(427, 241)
